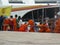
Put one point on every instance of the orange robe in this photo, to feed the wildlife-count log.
(31, 28)
(15, 24)
(44, 28)
(23, 28)
(11, 24)
(41, 28)
(5, 24)
(31, 23)
(57, 27)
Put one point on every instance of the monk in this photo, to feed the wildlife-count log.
(57, 26)
(14, 24)
(44, 28)
(11, 23)
(23, 28)
(31, 23)
(5, 24)
(40, 27)
(31, 28)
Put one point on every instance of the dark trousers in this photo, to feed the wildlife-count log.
(1, 27)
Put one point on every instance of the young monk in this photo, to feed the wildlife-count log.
(5, 24)
(40, 27)
(23, 27)
(44, 28)
(31, 23)
(31, 28)
(15, 23)
(57, 26)
(11, 23)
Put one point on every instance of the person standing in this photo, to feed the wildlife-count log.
(15, 23)
(1, 22)
(19, 21)
(11, 23)
(5, 24)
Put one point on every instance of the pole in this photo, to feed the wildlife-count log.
(45, 12)
(37, 15)
(42, 15)
(32, 15)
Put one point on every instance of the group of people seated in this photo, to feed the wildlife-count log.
(15, 24)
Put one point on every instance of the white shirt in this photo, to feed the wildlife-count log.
(20, 22)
